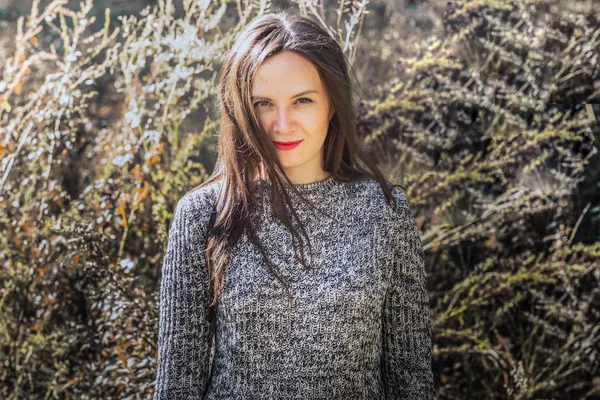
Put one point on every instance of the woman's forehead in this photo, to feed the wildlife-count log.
(286, 74)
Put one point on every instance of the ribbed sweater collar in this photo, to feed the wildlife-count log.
(321, 187)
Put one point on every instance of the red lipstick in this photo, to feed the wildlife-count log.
(287, 145)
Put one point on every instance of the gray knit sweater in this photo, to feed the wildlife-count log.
(356, 327)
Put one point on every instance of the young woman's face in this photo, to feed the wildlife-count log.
(292, 105)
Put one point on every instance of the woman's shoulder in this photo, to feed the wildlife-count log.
(400, 199)
(396, 207)
(368, 197)
(400, 210)
(372, 188)
(199, 201)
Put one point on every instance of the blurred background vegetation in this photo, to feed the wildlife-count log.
(486, 111)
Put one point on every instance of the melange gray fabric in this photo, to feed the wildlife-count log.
(356, 327)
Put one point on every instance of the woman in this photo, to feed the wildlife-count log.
(244, 313)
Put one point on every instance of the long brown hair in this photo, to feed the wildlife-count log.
(245, 152)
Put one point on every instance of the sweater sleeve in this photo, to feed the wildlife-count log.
(406, 357)
(183, 338)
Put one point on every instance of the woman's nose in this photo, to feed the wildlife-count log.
(283, 121)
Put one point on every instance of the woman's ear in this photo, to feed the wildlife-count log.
(331, 112)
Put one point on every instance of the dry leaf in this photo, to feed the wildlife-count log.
(121, 211)
(136, 174)
(420, 222)
(123, 358)
(153, 159)
(141, 194)
(19, 85)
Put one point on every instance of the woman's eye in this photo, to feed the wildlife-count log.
(303, 100)
(259, 103)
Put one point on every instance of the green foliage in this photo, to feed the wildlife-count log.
(93, 162)
(500, 139)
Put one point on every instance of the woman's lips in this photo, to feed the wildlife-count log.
(287, 145)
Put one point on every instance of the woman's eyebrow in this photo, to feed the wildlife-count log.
(293, 97)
